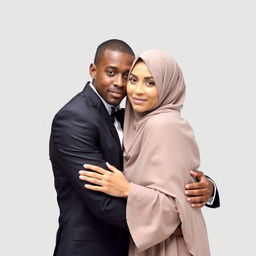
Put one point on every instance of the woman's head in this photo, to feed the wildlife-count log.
(141, 88)
(155, 81)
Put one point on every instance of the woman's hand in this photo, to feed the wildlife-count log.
(111, 182)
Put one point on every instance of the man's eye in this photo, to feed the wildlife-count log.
(110, 73)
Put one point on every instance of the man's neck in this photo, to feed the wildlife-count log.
(107, 105)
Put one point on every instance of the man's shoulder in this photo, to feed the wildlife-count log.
(75, 103)
(79, 107)
(79, 104)
(73, 106)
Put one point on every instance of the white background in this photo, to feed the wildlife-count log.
(49, 45)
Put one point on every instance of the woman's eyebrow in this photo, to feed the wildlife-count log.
(148, 77)
(133, 75)
(145, 78)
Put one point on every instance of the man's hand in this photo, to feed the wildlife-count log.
(198, 193)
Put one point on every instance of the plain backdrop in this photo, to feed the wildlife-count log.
(47, 47)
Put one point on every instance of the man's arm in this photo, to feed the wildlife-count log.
(202, 192)
(74, 141)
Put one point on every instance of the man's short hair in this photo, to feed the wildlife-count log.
(113, 45)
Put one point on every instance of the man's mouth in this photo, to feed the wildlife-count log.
(116, 94)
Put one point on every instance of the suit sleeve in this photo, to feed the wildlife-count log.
(214, 201)
(74, 142)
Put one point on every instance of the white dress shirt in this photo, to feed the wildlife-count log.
(116, 123)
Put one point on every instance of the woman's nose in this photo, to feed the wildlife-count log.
(138, 89)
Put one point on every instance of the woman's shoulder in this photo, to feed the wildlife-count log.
(169, 129)
(168, 123)
(168, 119)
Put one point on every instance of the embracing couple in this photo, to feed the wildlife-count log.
(140, 192)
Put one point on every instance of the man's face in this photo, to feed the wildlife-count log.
(110, 75)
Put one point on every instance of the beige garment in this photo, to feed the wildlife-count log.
(160, 149)
(174, 245)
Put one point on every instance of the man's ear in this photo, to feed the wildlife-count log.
(92, 71)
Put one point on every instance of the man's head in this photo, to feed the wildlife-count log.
(109, 72)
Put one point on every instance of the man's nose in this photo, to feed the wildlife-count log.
(119, 81)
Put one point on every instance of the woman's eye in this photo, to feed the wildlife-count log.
(150, 83)
(133, 80)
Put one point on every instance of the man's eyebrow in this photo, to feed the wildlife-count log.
(113, 67)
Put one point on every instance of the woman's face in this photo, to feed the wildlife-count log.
(141, 88)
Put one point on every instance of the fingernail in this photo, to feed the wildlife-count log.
(187, 186)
(84, 165)
(188, 199)
(186, 192)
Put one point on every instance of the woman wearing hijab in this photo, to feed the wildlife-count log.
(159, 149)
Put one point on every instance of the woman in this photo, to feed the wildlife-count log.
(159, 148)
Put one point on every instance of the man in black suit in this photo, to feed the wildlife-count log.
(84, 131)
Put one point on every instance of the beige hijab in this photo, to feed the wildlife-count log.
(160, 149)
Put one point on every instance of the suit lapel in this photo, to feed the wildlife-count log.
(97, 103)
(109, 123)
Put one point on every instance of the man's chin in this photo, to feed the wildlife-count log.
(114, 101)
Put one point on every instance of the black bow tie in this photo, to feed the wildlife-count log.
(115, 113)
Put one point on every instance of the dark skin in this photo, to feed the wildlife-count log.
(199, 193)
(109, 77)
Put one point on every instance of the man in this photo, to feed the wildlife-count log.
(83, 131)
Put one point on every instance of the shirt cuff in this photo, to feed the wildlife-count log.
(212, 198)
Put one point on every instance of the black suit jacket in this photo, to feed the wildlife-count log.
(90, 223)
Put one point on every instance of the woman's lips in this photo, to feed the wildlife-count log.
(138, 101)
